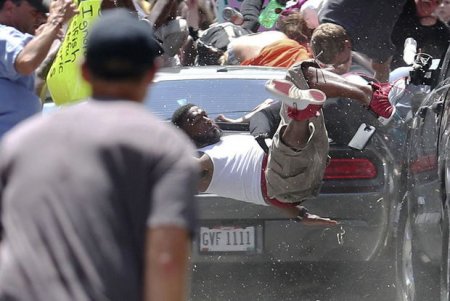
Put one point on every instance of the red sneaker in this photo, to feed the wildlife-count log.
(302, 104)
(380, 103)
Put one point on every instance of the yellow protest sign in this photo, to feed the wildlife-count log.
(64, 80)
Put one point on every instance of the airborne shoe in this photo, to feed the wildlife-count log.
(302, 104)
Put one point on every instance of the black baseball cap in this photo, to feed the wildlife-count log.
(119, 46)
(40, 5)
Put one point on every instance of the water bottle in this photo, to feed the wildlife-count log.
(270, 14)
(409, 51)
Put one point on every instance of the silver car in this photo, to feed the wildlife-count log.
(360, 187)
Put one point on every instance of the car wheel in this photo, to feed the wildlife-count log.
(416, 279)
(405, 269)
(445, 256)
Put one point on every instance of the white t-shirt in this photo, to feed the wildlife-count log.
(237, 161)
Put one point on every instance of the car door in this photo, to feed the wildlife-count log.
(425, 221)
(425, 193)
(443, 109)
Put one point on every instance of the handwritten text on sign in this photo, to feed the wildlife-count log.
(64, 79)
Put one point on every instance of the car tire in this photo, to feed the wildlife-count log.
(404, 262)
(412, 274)
(445, 262)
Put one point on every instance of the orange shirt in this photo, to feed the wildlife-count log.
(283, 53)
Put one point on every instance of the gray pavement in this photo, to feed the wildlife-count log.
(283, 282)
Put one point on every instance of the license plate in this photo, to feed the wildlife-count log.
(227, 239)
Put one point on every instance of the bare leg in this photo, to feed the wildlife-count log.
(296, 134)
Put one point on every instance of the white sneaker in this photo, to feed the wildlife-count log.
(294, 97)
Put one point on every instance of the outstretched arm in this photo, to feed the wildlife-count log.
(34, 53)
(334, 85)
(300, 214)
(372, 95)
(246, 118)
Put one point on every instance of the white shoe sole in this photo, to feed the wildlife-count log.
(302, 98)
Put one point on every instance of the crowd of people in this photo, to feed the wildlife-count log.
(189, 33)
(96, 209)
(379, 35)
(194, 32)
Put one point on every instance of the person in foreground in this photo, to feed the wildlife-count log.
(97, 198)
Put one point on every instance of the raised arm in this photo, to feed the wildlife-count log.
(34, 53)
(162, 11)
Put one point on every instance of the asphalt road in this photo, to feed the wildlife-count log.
(282, 282)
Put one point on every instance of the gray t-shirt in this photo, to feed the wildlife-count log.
(80, 187)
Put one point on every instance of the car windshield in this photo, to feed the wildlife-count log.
(233, 97)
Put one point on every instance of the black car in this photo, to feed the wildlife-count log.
(423, 229)
(357, 188)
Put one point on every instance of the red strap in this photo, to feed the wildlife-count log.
(271, 201)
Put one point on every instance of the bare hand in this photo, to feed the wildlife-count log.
(265, 104)
(62, 10)
(312, 219)
(39, 29)
(223, 118)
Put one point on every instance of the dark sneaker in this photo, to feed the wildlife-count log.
(380, 103)
(232, 15)
(302, 104)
